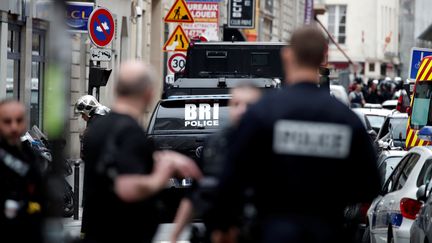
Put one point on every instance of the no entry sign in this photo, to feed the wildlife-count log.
(101, 27)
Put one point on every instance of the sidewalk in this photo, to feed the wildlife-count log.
(73, 227)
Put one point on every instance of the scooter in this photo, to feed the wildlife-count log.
(39, 142)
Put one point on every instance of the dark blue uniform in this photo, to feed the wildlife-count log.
(307, 156)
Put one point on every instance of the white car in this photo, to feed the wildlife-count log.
(392, 214)
(376, 117)
(389, 104)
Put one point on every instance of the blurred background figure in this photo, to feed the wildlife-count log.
(121, 177)
(356, 96)
(200, 203)
(372, 96)
(21, 184)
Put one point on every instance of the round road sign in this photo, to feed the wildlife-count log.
(177, 62)
(101, 27)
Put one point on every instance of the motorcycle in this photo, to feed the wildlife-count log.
(39, 142)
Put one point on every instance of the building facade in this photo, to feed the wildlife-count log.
(368, 32)
(414, 19)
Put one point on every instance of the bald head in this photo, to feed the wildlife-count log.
(12, 121)
(135, 79)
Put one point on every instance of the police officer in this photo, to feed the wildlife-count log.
(200, 202)
(90, 109)
(306, 156)
(21, 198)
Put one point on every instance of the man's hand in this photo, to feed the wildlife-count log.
(132, 188)
(183, 165)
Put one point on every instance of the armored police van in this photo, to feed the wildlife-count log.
(196, 104)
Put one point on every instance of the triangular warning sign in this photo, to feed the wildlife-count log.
(179, 13)
(178, 41)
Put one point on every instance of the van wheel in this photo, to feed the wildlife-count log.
(390, 238)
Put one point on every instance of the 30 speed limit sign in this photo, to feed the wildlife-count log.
(177, 62)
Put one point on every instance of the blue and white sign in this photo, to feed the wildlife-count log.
(417, 55)
(77, 16)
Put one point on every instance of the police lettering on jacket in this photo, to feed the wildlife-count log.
(201, 115)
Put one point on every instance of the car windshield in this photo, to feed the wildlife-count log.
(375, 121)
(181, 115)
(421, 112)
(398, 128)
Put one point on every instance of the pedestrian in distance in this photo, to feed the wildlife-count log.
(305, 155)
(22, 201)
(200, 202)
(123, 173)
(356, 96)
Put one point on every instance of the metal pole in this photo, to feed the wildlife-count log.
(76, 188)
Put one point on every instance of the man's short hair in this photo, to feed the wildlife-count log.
(136, 83)
(309, 46)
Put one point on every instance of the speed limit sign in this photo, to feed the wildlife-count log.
(177, 62)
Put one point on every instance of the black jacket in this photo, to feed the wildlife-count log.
(306, 155)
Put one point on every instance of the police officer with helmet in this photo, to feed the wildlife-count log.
(306, 156)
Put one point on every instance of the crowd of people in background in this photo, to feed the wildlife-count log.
(374, 91)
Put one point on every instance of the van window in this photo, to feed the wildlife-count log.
(421, 114)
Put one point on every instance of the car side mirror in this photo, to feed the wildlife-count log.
(421, 193)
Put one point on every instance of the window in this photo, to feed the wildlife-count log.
(13, 61)
(372, 67)
(425, 173)
(421, 112)
(388, 166)
(38, 61)
(395, 174)
(406, 172)
(337, 22)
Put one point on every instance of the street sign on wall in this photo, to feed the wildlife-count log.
(206, 16)
(178, 41)
(417, 55)
(77, 16)
(309, 12)
(179, 13)
(101, 27)
(99, 54)
(241, 14)
(177, 62)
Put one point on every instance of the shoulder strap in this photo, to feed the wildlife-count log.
(13, 163)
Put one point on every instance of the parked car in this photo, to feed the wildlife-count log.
(366, 123)
(392, 213)
(389, 104)
(393, 131)
(421, 230)
(375, 117)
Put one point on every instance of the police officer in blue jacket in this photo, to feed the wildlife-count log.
(305, 155)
